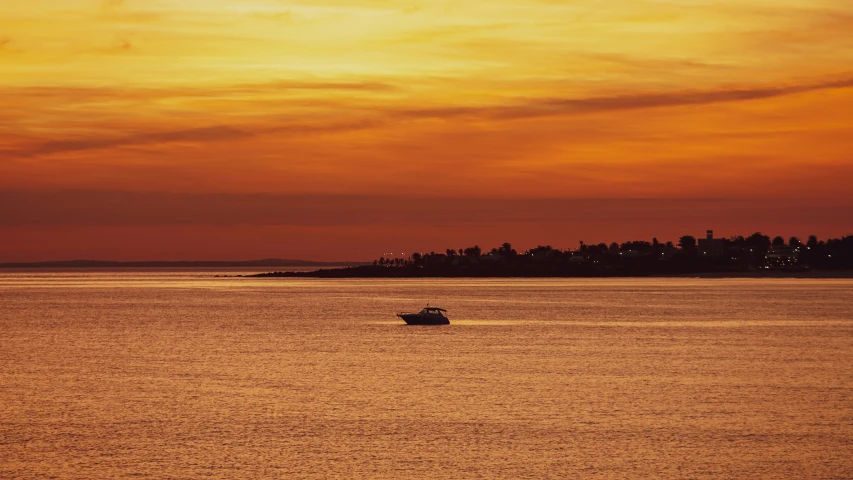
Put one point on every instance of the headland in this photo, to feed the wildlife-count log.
(754, 256)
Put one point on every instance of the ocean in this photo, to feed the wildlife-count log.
(182, 374)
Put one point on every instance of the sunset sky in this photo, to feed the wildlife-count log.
(343, 129)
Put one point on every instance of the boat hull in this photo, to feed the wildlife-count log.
(416, 319)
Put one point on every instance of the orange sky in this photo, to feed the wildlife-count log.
(342, 129)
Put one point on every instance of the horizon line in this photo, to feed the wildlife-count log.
(282, 262)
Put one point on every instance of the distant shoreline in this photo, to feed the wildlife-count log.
(770, 274)
(385, 272)
(263, 263)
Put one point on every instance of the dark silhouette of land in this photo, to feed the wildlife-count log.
(264, 263)
(754, 255)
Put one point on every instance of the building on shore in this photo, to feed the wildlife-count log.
(782, 256)
(711, 247)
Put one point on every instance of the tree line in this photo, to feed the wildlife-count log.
(736, 253)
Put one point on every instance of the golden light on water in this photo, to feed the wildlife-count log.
(145, 373)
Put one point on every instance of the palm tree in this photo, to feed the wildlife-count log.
(506, 248)
(812, 242)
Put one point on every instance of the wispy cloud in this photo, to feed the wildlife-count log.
(208, 134)
(203, 134)
(80, 93)
(574, 106)
(518, 95)
(361, 118)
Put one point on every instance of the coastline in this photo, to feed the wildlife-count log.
(769, 274)
(384, 272)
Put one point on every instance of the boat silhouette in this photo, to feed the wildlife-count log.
(427, 316)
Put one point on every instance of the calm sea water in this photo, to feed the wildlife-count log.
(183, 375)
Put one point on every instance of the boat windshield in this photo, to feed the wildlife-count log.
(434, 310)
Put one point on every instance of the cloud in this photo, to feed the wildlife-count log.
(651, 64)
(365, 118)
(219, 133)
(520, 109)
(318, 85)
(79, 94)
(575, 106)
(203, 134)
(4, 41)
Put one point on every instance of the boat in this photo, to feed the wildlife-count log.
(427, 316)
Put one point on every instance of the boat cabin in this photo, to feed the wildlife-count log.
(434, 311)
